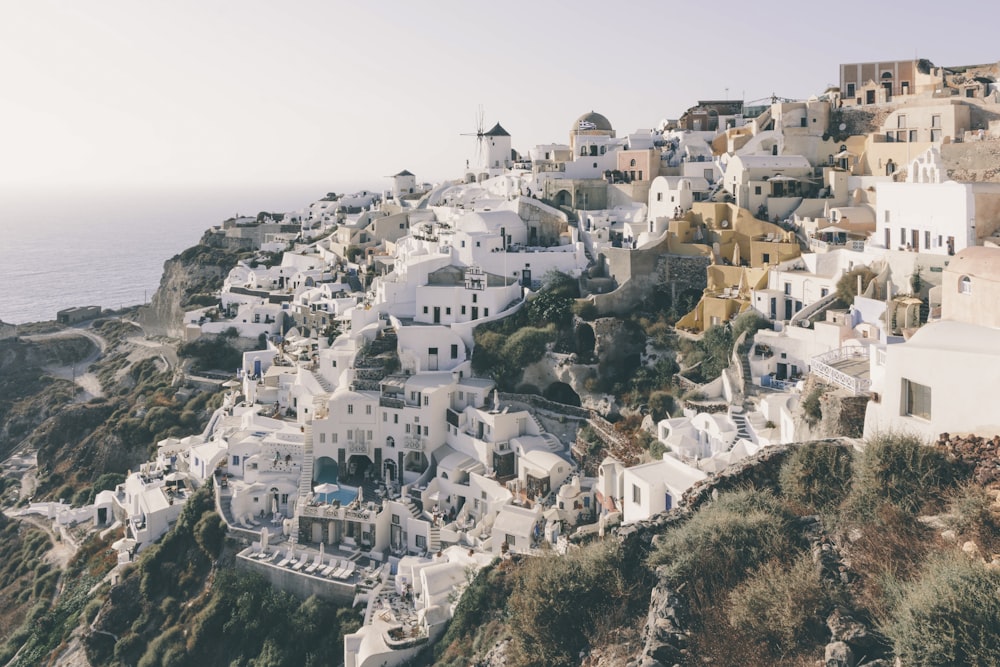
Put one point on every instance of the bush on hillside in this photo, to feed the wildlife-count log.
(816, 476)
(724, 541)
(973, 516)
(783, 607)
(900, 470)
(948, 616)
(563, 603)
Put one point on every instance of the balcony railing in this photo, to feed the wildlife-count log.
(414, 444)
(823, 366)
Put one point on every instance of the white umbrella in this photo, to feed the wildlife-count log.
(322, 551)
(274, 505)
(263, 538)
(174, 477)
(326, 487)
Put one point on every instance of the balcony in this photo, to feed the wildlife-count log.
(413, 444)
(391, 402)
(847, 367)
(355, 447)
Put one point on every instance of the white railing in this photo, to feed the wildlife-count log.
(822, 367)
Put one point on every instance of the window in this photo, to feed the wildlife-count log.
(850, 90)
(427, 400)
(322, 440)
(475, 298)
(426, 431)
(767, 258)
(659, 196)
(823, 292)
(236, 460)
(447, 311)
(901, 121)
(454, 351)
(407, 428)
(756, 190)
(486, 312)
(636, 494)
(965, 285)
(936, 121)
(463, 310)
(333, 438)
(788, 288)
(421, 542)
(935, 135)
(350, 409)
(913, 135)
(916, 399)
(902, 236)
(927, 239)
(385, 416)
(425, 310)
(632, 163)
(395, 419)
(510, 540)
(395, 519)
(368, 409)
(284, 498)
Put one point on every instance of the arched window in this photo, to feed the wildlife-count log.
(390, 442)
(965, 285)
(583, 150)
(632, 163)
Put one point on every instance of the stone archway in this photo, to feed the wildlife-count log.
(560, 392)
(564, 198)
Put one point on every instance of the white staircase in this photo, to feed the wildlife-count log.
(434, 543)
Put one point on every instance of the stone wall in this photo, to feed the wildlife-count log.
(298, 584)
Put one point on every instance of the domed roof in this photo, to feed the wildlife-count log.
(592, 121)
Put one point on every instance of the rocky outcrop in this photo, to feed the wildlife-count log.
(196, 273)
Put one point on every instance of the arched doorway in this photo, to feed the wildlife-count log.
(325, 471)
(560, 392)
(564, 198)
(358, 469)
(389, 472)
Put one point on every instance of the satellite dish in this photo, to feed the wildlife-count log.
(843, 126)
(725, 223)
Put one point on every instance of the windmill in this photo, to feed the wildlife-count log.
(480, 135)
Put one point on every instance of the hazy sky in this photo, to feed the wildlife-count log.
(125, 93)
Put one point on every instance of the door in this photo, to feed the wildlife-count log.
(432, 353)
(888, 238)
(782, 371)
(788, 309)
(475, 312)
(915, 240)
(437, 314)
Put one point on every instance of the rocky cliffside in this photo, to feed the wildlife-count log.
(190, 278)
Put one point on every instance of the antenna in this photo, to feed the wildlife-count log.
(479, 134)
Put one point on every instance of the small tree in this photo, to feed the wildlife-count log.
(847, 286)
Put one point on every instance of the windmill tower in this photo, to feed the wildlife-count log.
(480, 136)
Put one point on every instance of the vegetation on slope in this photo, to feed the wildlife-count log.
(183, 603)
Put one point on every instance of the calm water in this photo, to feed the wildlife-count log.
(63, 248)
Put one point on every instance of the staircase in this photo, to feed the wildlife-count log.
(412, 507)
(742, 430)
(306, 478)
(553, 443)
(323, 382)
(434, 543)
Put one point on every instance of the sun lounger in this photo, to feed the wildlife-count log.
(315, 565)
(346, 571)
(301, 564)
(284, 561)
(341, 568)
(329, 569)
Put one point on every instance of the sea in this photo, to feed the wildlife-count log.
(64, 247)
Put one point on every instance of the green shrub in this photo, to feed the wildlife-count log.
(970, 507)
(585, 310)
(812, 409)
(724, 541)
(901, 470)
(816, 475)
(562, 603)
(784, 608)
(948, 616)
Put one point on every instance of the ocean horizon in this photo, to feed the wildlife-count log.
(106, 247)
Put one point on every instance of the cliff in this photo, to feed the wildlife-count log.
(190, 279)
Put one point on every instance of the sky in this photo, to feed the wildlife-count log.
(120, 94)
